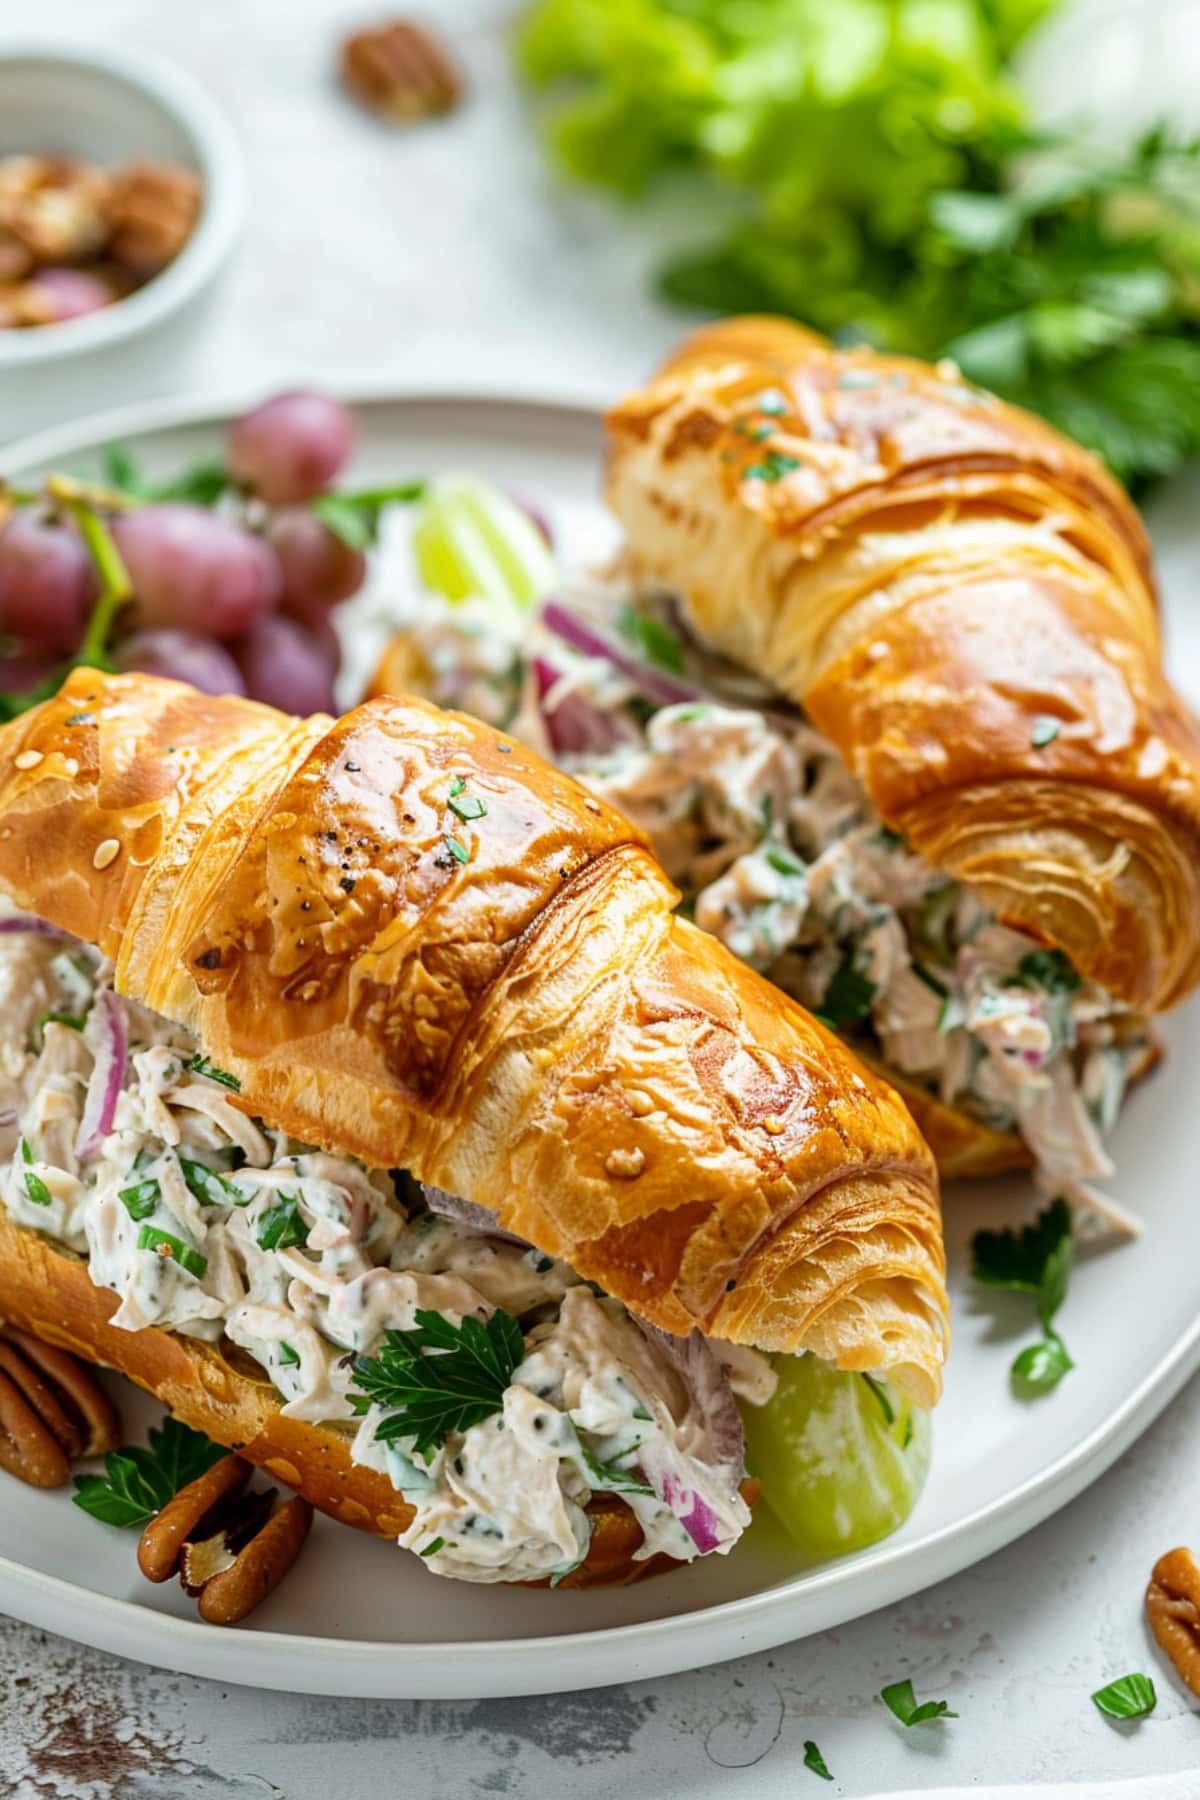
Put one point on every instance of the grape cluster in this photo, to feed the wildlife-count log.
(233, 598)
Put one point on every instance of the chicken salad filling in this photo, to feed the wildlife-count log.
(121, 1143)
(780, 853)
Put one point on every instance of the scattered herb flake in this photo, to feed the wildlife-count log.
(1050, 970)
(281, 1227)
(200, 1065)
(815, 1761)
(287, 1356)
(849, 996)
(773, 402)
(900, 1699)
(172, 1249)
(1044, 732)
(654, 640)
(468, 806)
(141, 1200)
(783, 860)
(433, 1546)
(458, 850)
(773, 467)
(209, 1186)
(36, 1190)
(457, 785)
(1131, 1697)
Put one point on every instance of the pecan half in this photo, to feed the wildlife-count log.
(1173, 1609)
(401, 71)
(52, 1410)
(228, 1547)
(152, 210)
(163, 1542)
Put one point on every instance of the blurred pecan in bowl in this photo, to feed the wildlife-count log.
(401, 71)
(1173, 1612)
(75, 237)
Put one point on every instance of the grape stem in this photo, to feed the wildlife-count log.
(112, 576)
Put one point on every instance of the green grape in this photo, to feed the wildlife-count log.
(841, 1457)
(471, 539)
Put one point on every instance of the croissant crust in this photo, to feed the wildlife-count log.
(504, 1004)
(964, 604)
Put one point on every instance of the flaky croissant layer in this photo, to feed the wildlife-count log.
(411, 940)
(963, 603)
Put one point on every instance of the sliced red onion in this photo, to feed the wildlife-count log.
(668, 690)
(27, 922)
(574, 724)
(465, 1212)
(535, 515)
(707, 1382)
(107, 1077)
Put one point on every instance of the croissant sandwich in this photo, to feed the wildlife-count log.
(879, 673)
(367, 1102)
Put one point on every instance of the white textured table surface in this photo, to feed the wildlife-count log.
(444, 255)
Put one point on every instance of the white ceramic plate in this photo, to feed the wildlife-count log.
(363, 1618)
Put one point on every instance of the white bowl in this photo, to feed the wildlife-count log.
(112, 106)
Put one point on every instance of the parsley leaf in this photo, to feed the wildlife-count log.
(209, 1186)
(440, 1377)
(355, 517)
(901, 1700)
(200, 1065)
(849, 996)
(654, 640)
(1131, 1697)
(815, 1761)
(1050, 970)
(173, 1249)
(282, 1228)
(36, 1190)
(142, 1199)
(1037, 1261)
(138, 1482)
(468, 806)
(773, 467)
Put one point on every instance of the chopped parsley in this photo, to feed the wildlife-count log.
(815, 1761)
(209, 1186)
(783, 860)
(456, 786)
(900, 1699)
(849, 996)
(773, 467)
(35, 1188)
(73, 1021)
(282, 1228)
(433, 1546)
(1131, 1697)
(608, 1477)
(857, 378)
(1037, 1261)
(440, 1377)
(200, 1065)
(654, 640)
(287, 1356)
(468, 806)
(172, 1249)
(1044, 732)
(141, 1200)
(1049, 970)
(458, 850)
(773, 402)
(138, 1482)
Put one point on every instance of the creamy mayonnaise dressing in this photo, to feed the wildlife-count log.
(202, 1220)
(781, 855)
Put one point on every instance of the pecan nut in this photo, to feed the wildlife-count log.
(401, 71)
(230, 1548)
(1173, 1610)
(51, 1411)
(152, 211)
(163, 1542)
(54, 206)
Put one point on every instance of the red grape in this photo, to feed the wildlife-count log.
(47, 583)
(18, 674)
(291, 447)
(319, 569)
(285, 666)
(70, 293)
(183, 656)
(194, 569)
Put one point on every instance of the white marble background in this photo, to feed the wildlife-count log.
(446, 254)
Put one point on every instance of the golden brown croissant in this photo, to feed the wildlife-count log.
(507, 1007)
(963, 603)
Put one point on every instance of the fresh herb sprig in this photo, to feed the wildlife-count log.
(1037, 1260)
(440, 1377)
(815, 1761)
(139, 1481)
(900, 1699)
